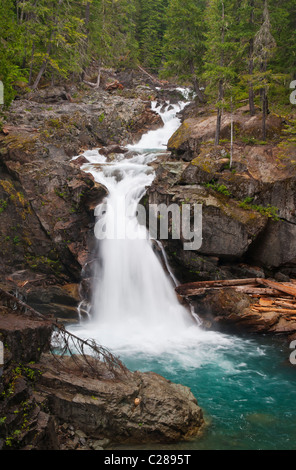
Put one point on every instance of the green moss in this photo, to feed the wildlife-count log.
(268, 211)
(43, 262)
(3, 205)
(220, 188)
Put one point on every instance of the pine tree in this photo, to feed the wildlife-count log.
(53, 30)
(221, 52)
(184, 42)
(151, 25)
(264, 46)
(112, 33)
(10, 50)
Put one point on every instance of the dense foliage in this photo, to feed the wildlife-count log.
(235, 49)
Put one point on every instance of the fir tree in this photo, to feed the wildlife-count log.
(10, 50)
(264, 46)
(184, 42)
(151, 25)
(221, 51)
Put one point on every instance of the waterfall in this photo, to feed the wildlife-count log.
(134, 305)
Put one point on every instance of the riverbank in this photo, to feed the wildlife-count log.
(47, 205)
(47, 202)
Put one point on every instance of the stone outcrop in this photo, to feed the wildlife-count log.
(52, 402)
(141, 407)
(46, 202)
(226, 309)
(248, 206)
(43, 396)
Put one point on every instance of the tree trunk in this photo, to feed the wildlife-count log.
(31, 64)
(40, 73)
(251, 64)
(44, 64)
(219, 113)
(99, 73)
(231, 137)
(196, 86)
(221, 87)
(264, 113)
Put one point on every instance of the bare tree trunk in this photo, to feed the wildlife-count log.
(264, 113)
(40, 73)
(219, 113)
(31, 64)
(99, 73)
(44, 64)
(221, 86)
(196, 86)
(231, 137)
(251, 64)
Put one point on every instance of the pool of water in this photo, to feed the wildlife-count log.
(245, 386)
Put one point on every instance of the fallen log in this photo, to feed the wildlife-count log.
(256, 290)
(279, 286)
(154, 79)
(258, 308)
(8, 129)
(251, 289)
(284, 304)
(219, 283)
(292, 301)
(266, 302)
(114, 86)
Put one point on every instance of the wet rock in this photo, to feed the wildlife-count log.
(48, 202)
(231, 310)
(220, 215)
(169, 412)
(113, 149)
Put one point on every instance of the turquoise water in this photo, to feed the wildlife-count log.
(245, 386)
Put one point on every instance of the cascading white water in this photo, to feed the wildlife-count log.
(134, 305)
(241, 384)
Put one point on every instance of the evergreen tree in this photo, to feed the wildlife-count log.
(221, 52)
(264, 46)
(111, 33)
(184, 42)
(53, 31)
(151, 25)
(10, 50)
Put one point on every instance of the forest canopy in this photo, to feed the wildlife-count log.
(232, 49)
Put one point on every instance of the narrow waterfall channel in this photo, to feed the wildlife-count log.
(245, 386)
(134, 306)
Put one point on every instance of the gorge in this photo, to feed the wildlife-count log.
(243, 382)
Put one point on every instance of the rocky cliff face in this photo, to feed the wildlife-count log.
(248, 205)
(248, 208)
(46, 201)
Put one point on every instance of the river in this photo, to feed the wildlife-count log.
(245, 385)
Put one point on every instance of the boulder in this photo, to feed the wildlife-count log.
(187, 140)
(138, 408)
(276, 246)
(232, 311)
(46, 397)
(227, 229)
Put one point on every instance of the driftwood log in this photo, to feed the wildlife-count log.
(272, 296)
